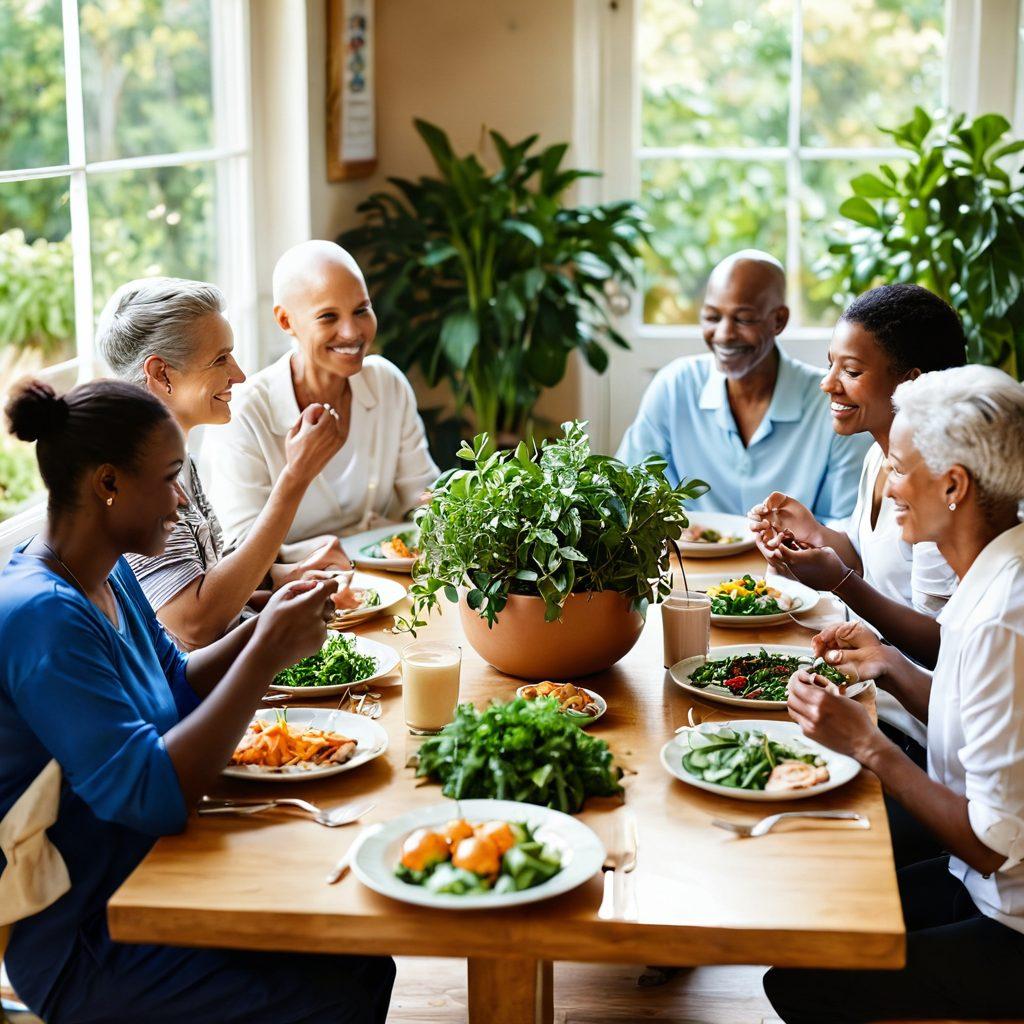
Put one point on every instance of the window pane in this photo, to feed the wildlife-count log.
(152, 222)
(826, 184)
(702, 210)
(869, 62)
(714, 72)
(33, 116)
(146, 76)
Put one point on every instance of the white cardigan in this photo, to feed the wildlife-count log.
(381, 470)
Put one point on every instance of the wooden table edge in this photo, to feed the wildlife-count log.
(578, 941)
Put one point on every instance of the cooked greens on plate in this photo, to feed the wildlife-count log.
(750, 760)
(462, 858)
(760, 676)
(523, 750)
(746, 595)
(338, 662)
(398, 545)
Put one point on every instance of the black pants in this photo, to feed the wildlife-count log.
(960, 964)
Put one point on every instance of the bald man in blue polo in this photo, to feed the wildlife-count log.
(747, 418)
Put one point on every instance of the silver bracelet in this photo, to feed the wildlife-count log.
(849, 573)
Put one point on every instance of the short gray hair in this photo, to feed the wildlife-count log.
(153, 316)
(970, 416)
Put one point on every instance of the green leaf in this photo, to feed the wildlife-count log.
(528, 231)
(860, 210)
(460, 335)
(871, 187)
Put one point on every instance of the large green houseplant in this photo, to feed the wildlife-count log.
(953, 221)
(489, 280)
(556, 525)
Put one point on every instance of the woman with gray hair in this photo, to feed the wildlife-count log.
(957, 479)
(169, 336)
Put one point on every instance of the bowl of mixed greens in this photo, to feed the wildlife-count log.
(755, 760)
(752, 676)
(344, 661)
(477, 853)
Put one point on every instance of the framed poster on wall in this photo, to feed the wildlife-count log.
(351, 113)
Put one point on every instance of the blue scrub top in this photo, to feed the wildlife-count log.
(685, 418)
(98, 699)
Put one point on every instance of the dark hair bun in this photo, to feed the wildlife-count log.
(35, 411)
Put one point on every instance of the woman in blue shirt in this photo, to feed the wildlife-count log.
(89, 678)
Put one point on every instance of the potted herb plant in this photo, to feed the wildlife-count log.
(487, 278)
(552, 553)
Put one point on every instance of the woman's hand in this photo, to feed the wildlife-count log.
(839, 723)
(819, 568)
(329, 554)
(294, 623)
(855, 650)
(312, 442)
(779, 513)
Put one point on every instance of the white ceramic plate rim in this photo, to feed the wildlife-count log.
(387, 662)
(841, 769)
(582, 721)
(808, 599)
(353, 546)
(725, 523)
(376, 854)
(371, 742)
(681, 671)
(383, 587)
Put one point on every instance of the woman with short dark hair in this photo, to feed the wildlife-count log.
(90, 680)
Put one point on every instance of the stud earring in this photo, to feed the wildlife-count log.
(110, 501)
(952, 506)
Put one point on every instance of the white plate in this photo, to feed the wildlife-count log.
(376, 855)
(725, 524)
(371, 742)
(804, 599)
(387, 662)
(354, 548)
(583, 721)
(682, 670)
(841, 769)
(390, 591)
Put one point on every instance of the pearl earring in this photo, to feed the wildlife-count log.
(110, 501)
(952, 506)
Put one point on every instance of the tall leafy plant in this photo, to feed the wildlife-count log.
(489, 280)
(952, 221)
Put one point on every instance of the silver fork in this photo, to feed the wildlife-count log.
(332, 818)
(767, 824)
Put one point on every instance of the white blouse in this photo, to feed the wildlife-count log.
(916, 575)
(976, 718)
(380, 471)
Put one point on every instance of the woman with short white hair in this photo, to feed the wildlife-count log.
(169, 336)
(957, 453)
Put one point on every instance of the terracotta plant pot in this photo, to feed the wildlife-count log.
(595, 631)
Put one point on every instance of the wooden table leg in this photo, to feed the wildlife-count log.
(512, 990)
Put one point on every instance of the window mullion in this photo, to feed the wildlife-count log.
(793, 176)
(81, 258)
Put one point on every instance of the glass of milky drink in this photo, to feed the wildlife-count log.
(686, 623)
(430, 684)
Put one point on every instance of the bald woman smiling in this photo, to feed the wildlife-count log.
(383, 466)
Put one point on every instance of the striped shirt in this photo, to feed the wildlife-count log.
(193, 547)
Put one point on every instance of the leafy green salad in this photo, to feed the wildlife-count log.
(523, 750)
(461, 859)
(760, 676)
(750, 760)
(746, 595)
(338, 662)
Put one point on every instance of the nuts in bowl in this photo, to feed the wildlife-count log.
(573, 700)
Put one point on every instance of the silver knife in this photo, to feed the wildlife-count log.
(338, 871)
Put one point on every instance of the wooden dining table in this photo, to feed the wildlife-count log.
(818, 896)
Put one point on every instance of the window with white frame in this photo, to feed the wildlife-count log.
(753, 117)
(124, 152)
